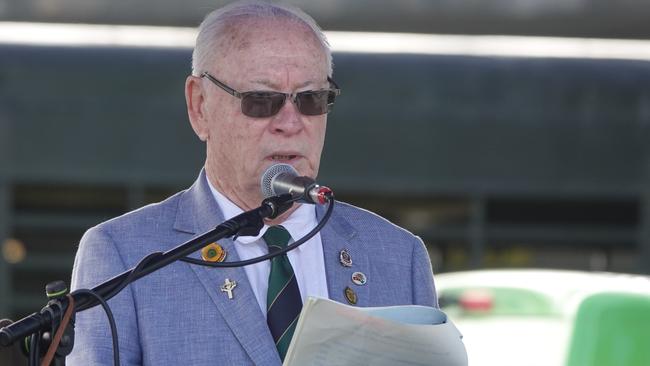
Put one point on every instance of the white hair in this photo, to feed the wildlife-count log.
(215, 27)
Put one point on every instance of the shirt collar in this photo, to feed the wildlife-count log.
(298, 224)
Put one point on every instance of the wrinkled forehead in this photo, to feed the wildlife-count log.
(254, 39)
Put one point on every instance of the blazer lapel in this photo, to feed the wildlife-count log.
(338, 235)
(199, 213)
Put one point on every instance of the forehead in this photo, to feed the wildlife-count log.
(264, 48)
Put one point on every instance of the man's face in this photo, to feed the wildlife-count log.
(263, 56)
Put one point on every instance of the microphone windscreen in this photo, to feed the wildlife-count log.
(266, 181)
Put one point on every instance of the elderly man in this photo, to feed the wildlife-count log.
(259, 95)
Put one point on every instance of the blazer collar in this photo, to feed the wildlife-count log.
(198, 213)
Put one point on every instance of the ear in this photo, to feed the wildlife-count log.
(195, 100)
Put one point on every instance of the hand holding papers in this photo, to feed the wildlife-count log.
(330, 333)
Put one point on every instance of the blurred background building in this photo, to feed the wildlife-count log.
(583, 18)
(510, 133)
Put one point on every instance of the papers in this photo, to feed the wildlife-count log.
(331, 333)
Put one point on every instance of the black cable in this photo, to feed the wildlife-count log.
(111, 322)
(262, 258)
(231, 226)
(34, 341)
(143, 262)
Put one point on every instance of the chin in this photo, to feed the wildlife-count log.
(305, 170)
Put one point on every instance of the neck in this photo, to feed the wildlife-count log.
(280, 219)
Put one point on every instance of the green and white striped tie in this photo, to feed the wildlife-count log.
(283, 301)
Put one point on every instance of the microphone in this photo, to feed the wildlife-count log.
(283, 178)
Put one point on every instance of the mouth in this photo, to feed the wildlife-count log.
(283, 158)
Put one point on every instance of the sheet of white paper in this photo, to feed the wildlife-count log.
(330, 333)
(409, 314)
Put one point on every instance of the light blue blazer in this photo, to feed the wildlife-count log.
(179, 316)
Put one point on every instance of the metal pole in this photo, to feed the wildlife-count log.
(5, 209)
(5, 270)
(643, 242)
(477, 232)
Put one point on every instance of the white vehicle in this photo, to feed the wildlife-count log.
(549, 317)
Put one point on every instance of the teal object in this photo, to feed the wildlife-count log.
(611, 329)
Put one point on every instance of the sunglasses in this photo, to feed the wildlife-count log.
(261, 104)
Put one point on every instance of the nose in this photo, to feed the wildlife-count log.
(288, 121)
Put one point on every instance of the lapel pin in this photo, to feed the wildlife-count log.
(228, 286)
(213, 253)
(359, 278)
(344, 258)
(350, 295)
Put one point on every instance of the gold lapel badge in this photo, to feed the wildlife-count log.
(213, 253)
(350, 295)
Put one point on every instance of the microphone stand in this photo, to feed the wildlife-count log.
(46, 321)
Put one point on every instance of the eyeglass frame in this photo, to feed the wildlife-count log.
(292, 96)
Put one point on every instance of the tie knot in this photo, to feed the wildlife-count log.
(276, 237)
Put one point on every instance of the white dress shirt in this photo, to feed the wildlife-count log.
(307, 260)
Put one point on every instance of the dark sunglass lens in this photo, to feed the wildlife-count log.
(313, 103)
(260, 105)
